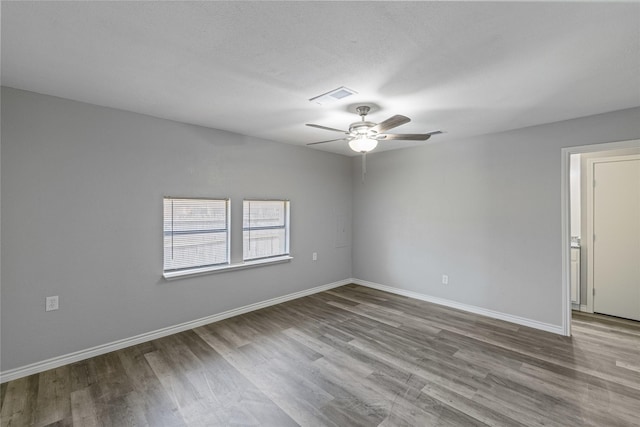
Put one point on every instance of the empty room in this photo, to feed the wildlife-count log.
(320, 213)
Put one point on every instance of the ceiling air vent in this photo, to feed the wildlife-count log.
(333, 96)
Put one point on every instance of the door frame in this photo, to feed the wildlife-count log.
(590, 214)
(565, 212)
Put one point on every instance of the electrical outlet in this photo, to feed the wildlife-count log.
(445, 279)
(51, 303)
(314, 256)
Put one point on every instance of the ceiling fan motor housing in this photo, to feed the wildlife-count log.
(363, 110)
(362, 128)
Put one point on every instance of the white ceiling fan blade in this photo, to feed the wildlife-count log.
(327, 128)
(405, 136)
(330, 140)
(391, 123)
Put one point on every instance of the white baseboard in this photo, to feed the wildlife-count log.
(556, 329)
(34, 368)
(583, 307)
(77, 356)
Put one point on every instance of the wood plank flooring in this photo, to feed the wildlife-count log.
(351, 356)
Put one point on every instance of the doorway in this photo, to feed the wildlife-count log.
(585, 301)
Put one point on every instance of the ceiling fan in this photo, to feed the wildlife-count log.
(363, 136)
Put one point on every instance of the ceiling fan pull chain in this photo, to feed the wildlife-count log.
(364, 165)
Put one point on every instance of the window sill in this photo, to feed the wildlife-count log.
(173, 275)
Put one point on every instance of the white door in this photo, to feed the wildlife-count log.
(616, 231)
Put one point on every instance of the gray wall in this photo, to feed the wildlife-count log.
(484, 210)
(82, 191)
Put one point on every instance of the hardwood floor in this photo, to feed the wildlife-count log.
(348, 357)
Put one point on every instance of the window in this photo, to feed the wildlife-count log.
(265, 229)
(196, 233)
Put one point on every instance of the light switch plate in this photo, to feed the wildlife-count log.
(51, 303)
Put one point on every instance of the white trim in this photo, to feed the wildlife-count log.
(565, 229)
(556, 329)
(181, 274)
(583, 307)
(55, 362)
(589, 236)
(565, 218)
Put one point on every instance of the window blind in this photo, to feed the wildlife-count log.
(196, 233)
(265, 228)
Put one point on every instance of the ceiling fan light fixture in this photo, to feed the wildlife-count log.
(363, 144)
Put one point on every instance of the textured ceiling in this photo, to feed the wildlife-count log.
(466, 68)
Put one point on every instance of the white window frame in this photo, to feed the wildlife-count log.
(197, 269)
(286, 226)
